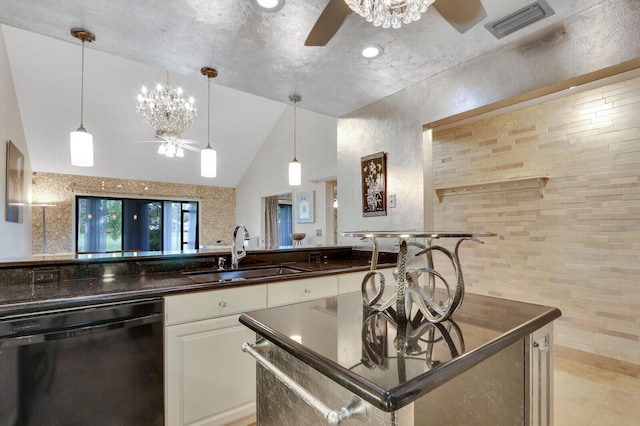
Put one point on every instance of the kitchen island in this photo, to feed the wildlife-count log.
(490, 364)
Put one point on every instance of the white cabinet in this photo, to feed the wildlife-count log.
(295, 291)
(213, 303)
(208, 380)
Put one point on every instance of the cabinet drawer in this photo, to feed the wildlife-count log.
(295, 291)
(352, 282)
(214, 303)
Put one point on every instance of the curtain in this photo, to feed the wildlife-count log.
(135, 215)
(192, 222)
(95, 224)
(172, 226)
(271, 235)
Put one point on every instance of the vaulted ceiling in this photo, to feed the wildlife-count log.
(261, 58)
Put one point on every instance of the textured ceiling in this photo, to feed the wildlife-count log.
(261, 59)
(264, 53)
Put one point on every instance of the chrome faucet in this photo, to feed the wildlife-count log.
(235, 255)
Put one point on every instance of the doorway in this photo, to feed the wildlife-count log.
(285, 219)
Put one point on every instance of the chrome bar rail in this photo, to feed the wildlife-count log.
(356, 408)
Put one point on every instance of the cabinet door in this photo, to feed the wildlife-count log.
(209, 380)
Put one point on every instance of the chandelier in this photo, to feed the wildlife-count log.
(390, 13)
(165, 109)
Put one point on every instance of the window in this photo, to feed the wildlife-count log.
(122, 224)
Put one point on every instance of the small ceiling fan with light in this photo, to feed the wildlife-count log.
(461, 14)
(172, 145)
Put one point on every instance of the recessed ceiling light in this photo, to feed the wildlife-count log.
(373, 51)
(269, 5)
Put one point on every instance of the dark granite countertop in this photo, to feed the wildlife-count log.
(86, 281)
(344, 340)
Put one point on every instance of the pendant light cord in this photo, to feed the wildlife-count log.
(208, 112)
(82, 88)
(294, 129)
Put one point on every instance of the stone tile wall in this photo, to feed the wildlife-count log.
(217, 205)
(576, 247)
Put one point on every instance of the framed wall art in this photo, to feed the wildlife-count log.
(14, 196)
(374, 184)
(305, 207)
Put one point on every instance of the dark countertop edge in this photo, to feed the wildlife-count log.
(393, 399)
(72, 259)
(419, 386)
(22, 307)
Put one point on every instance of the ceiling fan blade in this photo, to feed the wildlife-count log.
(191, 148)
(461, 14)
(328, 23)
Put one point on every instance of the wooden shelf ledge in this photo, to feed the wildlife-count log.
(515, 184)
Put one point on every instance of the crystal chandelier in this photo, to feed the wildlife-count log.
(390, 13)
(165, 109)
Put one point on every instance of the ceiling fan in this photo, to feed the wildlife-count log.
(172, 145)
(461, 14)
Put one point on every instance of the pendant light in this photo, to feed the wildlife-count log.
(81, 141)
(295, 168)
(208, 156)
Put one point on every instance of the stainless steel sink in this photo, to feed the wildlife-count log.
(242, 274)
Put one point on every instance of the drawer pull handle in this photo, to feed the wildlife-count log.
(356, 408)
(222, 304)
(307, 290)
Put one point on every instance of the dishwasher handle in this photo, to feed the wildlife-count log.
(80, 330)
(356, 408)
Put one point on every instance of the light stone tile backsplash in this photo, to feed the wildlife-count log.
(217, 205)
(578, 246)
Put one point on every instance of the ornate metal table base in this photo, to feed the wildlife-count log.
(435, 305)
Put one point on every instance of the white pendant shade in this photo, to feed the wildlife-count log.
(295, 173)
(81, 143)
(208, 159)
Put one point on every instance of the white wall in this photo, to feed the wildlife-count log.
(15, 238)
(401, 140)
(268, 173)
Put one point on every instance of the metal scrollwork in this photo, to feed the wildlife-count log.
(413, 339)
(436, 302)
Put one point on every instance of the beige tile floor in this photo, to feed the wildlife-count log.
(588, 396)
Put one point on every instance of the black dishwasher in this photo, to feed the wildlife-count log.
(99, 365)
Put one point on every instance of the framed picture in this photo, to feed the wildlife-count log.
(374, 184)
(15, 196)
(305, 207)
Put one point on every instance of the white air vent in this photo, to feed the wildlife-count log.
(519, 19)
